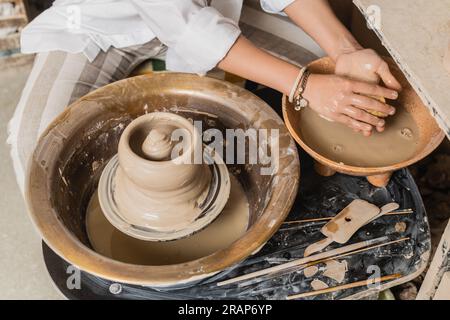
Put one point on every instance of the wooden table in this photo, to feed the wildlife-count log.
(417, 35)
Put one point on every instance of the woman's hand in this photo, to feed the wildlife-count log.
(343, 100)
(366, 65)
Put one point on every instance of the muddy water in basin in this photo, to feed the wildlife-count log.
(227, 228)
(337, 142)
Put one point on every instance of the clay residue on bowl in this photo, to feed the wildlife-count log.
(341, 144)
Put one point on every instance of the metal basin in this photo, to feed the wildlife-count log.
(72, 152)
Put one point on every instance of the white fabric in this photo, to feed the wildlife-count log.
(14, 124)
(57, 80)
(275, 6)
(198, 36)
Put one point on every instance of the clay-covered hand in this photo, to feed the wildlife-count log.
(343, 100)
(366, 65)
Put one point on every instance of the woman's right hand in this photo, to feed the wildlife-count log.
(346, 101)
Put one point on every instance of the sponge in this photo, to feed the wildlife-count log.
(378, 113)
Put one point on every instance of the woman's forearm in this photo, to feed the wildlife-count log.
(317, 19)
(249, 62)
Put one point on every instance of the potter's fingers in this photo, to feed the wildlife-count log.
(373, 90)
(363, 116)
(388, 78)
(381, 129)
(368, 103)
(365, 133)
(354, 124)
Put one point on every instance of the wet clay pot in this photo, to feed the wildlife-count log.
(71, 154)
(430, 135)
(149, 195)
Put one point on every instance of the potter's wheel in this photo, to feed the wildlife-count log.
(73, 151)
(155, 189)
(318, 198)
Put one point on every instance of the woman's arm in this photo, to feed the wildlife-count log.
(248, 61)
(331, 96)
(352, 62)
(203, 38)
(318, 19)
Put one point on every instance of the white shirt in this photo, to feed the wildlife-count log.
(198, 36)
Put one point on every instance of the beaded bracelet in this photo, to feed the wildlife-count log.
(296, 84)
(300, 101)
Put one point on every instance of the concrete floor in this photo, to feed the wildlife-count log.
(22, 271)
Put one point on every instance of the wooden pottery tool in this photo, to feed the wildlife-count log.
(387, 208)
(326, 219)
(274, 272)
(317, 258)
(344, 225)
(357, 284)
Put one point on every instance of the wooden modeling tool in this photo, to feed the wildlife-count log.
(317, 285)
(326, 219)
(310, 271)
(344, 225)
(321, 257)
(357, 284)
(305, 260)
(301, 264)
(388, 208)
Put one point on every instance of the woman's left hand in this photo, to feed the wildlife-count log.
(366, 65)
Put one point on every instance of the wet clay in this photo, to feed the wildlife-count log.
(230, 225)
(310, 271)
(158, 146)
(400, 227)
(157, 184)
(336, 270)
(318, 285)
(341, 144)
